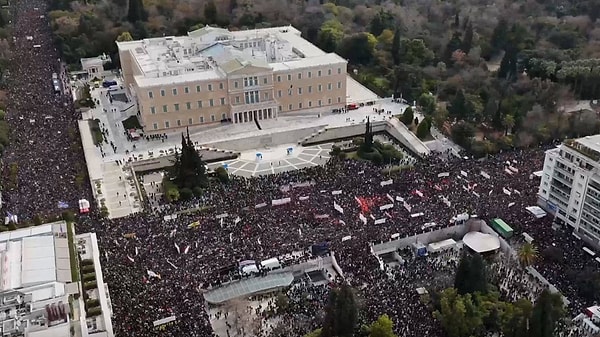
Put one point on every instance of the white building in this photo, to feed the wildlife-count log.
(570, 186)
(588, 322)
(38, 297)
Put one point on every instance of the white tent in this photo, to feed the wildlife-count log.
(536, 211)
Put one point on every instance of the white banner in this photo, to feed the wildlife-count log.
(338, 207)
(407, 206)
(485, 175)
(517, 192)
(390, 197)
(508, 171)
(303, 198)
(346, 238)
(507, 192)
(386, 182)
(419, 193)
(177, 247)
(380, 221)
(321, 216)
(511, 204)
(463, 173)
(476, 194)
(384, 207)
(362, 218)
(336, 192)
(514, 169)
(400, 199)
(221, 216)
(261, 205)
(416, 215)
(444, 174)
(278, 202)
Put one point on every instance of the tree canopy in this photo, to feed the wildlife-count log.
(341, 313)
(471, 275)
(189, 170)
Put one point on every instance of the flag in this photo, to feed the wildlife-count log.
(194, 225)
(153, 274)
(62, 204)
(172, 234)
(187, 249)
(130, 258)
(177, 247)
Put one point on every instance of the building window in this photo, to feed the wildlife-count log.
(300, 105)
(310, 89)
(319, 73)
(190, 121)
(278, 78)
(320, 103)
(211, 102)
(310, 104)
(152, 110)
(235, 84)
(237, 99)
(210, 87)
(265, 80)
(188, 105)
(299, 76)
(155, 126)
(222, 100)
(179, 122)
(176, 106)
(279, 93)
(266, 95)
(320, 88)
(250, 81)
(329, 101)
(162, 92)
(167, 124)
(328, 86)
(290, 107)
(212, 118)
(299, 91)
(339, 85)
(339, 70)
(251, 97)
(328, 71)
(289, 77)
(201, 119)
(165, 109)
(221, 86)
(186, 90)
(223, 117)
(339, 99)
(309, 74)
(150, 94)
(280, 108)
(197, 88)
(174, 91)
(199, 104)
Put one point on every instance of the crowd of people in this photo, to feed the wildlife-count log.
(238, 221)
(44, 158)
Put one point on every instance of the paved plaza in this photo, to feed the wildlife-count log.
(276, 160)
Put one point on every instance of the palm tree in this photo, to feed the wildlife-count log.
(527, 254)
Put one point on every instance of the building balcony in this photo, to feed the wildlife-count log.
(272, 103)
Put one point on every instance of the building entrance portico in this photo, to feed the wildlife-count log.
(251, 115)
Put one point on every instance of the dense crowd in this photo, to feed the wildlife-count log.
(237, 221)
(43, 159)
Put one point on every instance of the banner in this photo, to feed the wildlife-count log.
(407, 206)
(278, 202)
(476, 194)
(380, 221)
(321, 216)
(507, 192)
(221, 216)
(416, 215)
(338, 207)
(400, 199)
(443, 174)
(336, 192)
(153, 274)
(389, 197)
(194, 225)
(419, 193)
(508, 171)
(463, 173)
(303, 198)
(384, 207)
(161, 324)
(129, 236)
(177, 247)
(386, 182)
(485, 175)
(186, 250)
(514, 169)
(136, 251)
(261, 205)
(346, 238)
(362, 218)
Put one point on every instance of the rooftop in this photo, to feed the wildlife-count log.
(212, 53)
(588, 146)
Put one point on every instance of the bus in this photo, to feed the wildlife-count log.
(502, 228)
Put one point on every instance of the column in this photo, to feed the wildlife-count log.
(235, 118)
(245, 116)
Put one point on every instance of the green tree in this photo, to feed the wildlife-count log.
(547, 311)
(508, 122)
(467, 41)
(458, 315)
(514, 319)
(499, 39)
(330, 35)
(189, 169)
(341, 313)
(367, 144)
(380, 22)
(427, 103)
(471, 275)
(125, 36)
(396, 47)
(527, 254)
(358, 48)
(316, 333)
(508, 65)
(135, 11)
(458, 106)
(453, 45)
(222, 174)
(423, 129)
(408, 116)
(382, 327)
(210, 12)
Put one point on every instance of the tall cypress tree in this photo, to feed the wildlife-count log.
(396, 47)
(341, 313)
(189, 170)
(135, 11)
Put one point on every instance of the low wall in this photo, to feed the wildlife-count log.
(268, 138)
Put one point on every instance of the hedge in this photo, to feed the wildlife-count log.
(89, 268)
(89, 277)
(93, 312)
(90, 285)
(86, 262)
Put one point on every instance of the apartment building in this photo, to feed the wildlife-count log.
(214, 75)
(570, 186)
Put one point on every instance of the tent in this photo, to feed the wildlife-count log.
(84, 206)
(537, 211)
(272, 263)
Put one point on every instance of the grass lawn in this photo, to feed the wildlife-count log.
(132, 123)
(72, 253)
(96, 132)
